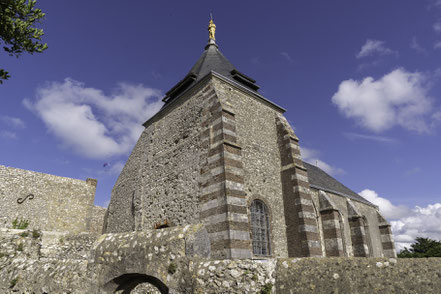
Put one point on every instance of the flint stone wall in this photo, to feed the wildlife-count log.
(87, 264)
(45, 262)
(358, 275)
(160, 181)
(58, 204)
(97, 219)
(257, 135)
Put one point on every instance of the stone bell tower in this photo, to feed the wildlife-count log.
(221, 154)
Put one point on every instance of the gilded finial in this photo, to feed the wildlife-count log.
(211, 28)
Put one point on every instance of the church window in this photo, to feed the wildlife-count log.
(260, 228)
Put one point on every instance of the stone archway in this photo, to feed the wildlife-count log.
(135, 283)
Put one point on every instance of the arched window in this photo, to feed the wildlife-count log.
(260, 228)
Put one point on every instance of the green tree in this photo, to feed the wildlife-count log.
(18, 33)
(422, 247)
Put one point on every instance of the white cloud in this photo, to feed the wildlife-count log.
(437, 27)
(8, 135)
(416, 46)
(368, 65)
(407, 223)
(413, 171)
(400, 98)
(106, 203)
(381, 139)
(420, 222)
(287, 57)
(115, 168)
(372, 47)
(437, 45)
(14, 122)
(91, 123)
(387, 209)
(311, 156)
(436, 117)
(435, 3)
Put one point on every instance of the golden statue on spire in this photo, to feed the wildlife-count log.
(211, 29)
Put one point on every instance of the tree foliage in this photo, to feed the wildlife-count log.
(18, 31)
(423, 247)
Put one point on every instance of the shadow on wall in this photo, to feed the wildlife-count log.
(126, 283)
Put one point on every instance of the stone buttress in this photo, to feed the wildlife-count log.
(223, 202)
(332, 234)
(358, 232)
(301, 218)
(387, 240)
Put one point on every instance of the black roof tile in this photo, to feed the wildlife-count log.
(321, 180)
(211, 60)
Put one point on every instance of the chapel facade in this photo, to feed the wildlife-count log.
(220, 154)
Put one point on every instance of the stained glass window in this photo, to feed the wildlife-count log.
(260, 232)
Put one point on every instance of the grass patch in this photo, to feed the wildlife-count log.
(20, 247)
(13, 282)
(36, 234)
(20, 224)
(267, 288)
(172, 267)
(24, 234)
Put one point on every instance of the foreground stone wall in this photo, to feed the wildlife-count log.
(176, 260)
(32, 261)
(48, 202)
(358, 275)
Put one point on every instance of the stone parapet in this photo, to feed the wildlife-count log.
(47, 202)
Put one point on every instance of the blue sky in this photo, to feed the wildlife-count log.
(360, 81)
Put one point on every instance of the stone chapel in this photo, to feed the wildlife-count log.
(220, 154)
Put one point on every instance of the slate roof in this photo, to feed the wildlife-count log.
(211, 60)
(320, 180)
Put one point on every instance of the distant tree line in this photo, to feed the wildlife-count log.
(422, 247)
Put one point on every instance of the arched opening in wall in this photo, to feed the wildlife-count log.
(368, 237)
(139, 283)
(260, 228)
(342, 231)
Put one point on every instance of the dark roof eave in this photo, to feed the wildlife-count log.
(213, 73)
(272, 104)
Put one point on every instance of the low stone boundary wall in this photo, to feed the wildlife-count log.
(177, 260)
(358, 275)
